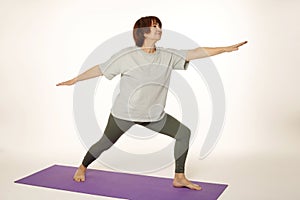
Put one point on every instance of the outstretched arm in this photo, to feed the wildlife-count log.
(202, 52)
(91, 73)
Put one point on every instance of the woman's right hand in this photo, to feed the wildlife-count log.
(69, 82)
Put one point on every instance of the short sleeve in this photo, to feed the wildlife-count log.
(178, 59)
(111, 67)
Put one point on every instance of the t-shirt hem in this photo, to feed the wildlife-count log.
(137, 120)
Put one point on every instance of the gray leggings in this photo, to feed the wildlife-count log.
(168, 125)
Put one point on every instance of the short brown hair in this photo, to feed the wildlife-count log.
(141, 27)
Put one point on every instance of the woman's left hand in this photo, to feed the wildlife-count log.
(234, 47)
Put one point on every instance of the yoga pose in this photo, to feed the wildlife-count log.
(145, 75)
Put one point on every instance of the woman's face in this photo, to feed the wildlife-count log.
(155, 32)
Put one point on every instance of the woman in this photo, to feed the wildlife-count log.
(145, 74)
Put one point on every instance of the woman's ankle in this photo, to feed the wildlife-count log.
(83, 168)
(179, 175)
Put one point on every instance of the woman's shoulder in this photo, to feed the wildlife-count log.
(127, 51)
(168, 50)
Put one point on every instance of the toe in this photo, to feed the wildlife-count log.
(197, 187)
(193, 186)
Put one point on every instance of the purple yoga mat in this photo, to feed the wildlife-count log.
(120, 185)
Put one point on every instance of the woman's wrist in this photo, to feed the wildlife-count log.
(225, 49)
(76, 79)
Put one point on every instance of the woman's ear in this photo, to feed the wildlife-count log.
(146, 35)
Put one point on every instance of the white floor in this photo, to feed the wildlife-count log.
(249, 176)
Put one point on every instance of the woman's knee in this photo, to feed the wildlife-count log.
(183, 133)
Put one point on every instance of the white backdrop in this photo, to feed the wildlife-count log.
(45, 42)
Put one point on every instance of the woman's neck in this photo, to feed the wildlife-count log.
(149, 47)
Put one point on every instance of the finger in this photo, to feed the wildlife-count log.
(62, 83)
(242, 43)
(238, 45)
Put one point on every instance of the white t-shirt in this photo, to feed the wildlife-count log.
(144, 81)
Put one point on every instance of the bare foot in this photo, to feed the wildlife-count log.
(181, 181)
(79, 175)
